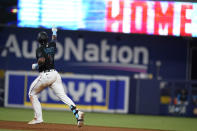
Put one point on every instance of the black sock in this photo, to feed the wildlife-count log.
(75, 111)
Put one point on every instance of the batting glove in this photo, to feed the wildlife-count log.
(54, 30)
(34, 66)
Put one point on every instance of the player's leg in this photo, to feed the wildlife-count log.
(57, 87)
(35, 102)
(40, 83)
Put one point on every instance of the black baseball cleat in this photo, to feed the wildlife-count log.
(80, 120)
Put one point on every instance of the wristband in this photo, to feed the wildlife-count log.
(54, 33)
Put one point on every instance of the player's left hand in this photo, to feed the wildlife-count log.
(34, 66)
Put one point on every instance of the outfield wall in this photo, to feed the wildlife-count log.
(163, 97)
(110, 94)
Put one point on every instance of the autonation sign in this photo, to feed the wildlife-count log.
(96, 52)
(85, 54)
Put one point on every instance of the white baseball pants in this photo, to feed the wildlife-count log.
(50, 79)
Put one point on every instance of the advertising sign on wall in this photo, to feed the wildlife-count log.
(89, 92)
(98, 53)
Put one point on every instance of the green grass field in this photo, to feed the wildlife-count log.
(103, 119)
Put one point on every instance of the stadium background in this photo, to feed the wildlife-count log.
(138, 68)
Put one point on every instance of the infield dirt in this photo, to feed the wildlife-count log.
(13, 125)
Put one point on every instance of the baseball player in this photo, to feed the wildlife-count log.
(49, 77)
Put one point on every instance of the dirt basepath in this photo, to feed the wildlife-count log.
(59, 127)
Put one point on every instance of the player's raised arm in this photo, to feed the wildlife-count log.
(54, 31)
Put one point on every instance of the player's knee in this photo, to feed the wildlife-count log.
(33, 97)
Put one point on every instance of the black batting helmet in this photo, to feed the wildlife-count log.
(42, 37)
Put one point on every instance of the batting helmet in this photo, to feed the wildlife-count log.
(42, 37)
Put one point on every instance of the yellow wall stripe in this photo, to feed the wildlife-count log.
(61, 106)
